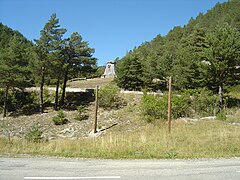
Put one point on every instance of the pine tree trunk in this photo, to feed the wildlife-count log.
(220, 96)
(64, 87)
(56, 95)
(41, 90)
(5, 101)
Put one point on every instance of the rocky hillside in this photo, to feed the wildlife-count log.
(108, 120)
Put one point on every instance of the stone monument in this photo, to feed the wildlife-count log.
(109, 70)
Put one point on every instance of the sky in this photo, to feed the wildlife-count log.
(111, 27)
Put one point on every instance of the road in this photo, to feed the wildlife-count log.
(55, 168)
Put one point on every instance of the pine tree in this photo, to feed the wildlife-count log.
(49, 47)
(187, 69)
(130, 73)
(77, 58)
(14, 69)
(223, 57)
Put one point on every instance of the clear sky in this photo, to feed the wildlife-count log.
(112, 27)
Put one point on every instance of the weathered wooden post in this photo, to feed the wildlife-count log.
(169, 103)
(96, 110)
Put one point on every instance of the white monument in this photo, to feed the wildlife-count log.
(109, 70)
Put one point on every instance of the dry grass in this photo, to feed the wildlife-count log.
(134, 138)
(90, 83)
(206, 139)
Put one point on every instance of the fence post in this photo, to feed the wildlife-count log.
(96, 110)
(169, 103)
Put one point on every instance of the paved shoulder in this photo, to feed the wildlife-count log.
(54, 168)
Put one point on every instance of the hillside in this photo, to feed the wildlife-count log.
(6, 33)
(202, 58)
(122, 133)
(179, 54)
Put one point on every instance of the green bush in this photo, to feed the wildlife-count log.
(81, 113)
(202, 102)
(48, 97)
(189, 103)
(180, 106)
(34, 134)
(109, 97)
(26, 102)
(60, 119)
(221, 116)
(156, 107)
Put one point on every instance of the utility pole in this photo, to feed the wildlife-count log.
(96, 110)
(169, 103)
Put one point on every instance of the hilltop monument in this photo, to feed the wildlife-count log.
(109, 70)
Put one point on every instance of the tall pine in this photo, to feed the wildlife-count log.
(14, 67)
(49, 48)
(77, 56)
(223, 58)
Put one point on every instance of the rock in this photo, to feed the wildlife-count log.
(92, 134)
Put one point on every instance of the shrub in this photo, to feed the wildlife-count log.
(26, 102)
(81, 113)
(156, 107)
(60, 119)
(180, 106)
(221, 116)
(48, 97)
(109, 97)
(202, 102)
(34, 135)
(189, 103)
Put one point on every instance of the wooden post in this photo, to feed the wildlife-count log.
(96, 109)
(169, 103)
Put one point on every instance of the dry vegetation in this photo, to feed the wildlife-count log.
(124, 134)
(90, 83)
(201, 140)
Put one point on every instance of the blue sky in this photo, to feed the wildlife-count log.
(112, 27)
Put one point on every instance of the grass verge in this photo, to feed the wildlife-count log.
(205, 139)
(90, 83)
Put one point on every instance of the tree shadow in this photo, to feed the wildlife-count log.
(232, 102)
(75, 99)
(109, 127)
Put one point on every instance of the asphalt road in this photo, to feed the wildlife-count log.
(54, 168)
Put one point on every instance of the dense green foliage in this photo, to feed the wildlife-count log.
(195, 55)
(61, 59)
(20, 101)
(203, 53)
(109, 97)
(189, 103)
(15, 60)
(53, 59)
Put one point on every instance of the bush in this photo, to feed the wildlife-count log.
(156, 107)
(34, 135)
(221, 116)
(202, 102)
(81, 113)
(48, 97)
(20, 98)
(26, 102)
(189, 103)
(109, 97)
(60, 119)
